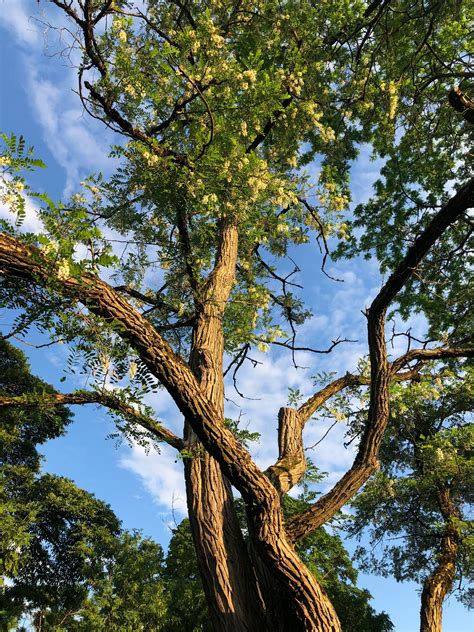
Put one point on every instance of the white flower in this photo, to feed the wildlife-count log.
(49, 248)
(10, 199)
(77, 198)
(122, 35)
(63, 271)
(132, 369)
(218, 40)
(250, 75)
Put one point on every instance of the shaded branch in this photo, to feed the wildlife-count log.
(105, 399)
(462, 103)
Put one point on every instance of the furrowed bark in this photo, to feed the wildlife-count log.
(18, 260)
(229, 581)
(291, 464)
(365, 462)
(440, 582)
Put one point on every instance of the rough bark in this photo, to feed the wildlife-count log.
(462, 103)
(440, 582)
(291, 464)
(229, 581)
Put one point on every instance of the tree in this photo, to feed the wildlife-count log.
(21, 430)
(220, 106)
(69, 564)
(420, 497)
(130, 594)
(74, 569)
(51, 531)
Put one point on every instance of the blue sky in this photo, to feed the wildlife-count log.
(146, 490)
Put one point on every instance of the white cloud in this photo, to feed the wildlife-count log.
(79, 144)
(15, 17)
(162, 476)
(266, 386)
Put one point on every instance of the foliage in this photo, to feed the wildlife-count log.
(21, 430)
(235, 117)
(51, 531)
(130, 593)
(233, 105)
(188, 611)
(426, 457)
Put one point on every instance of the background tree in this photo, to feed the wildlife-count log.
(130, 594)
(416, 507)
(21, 430)
(221, 106)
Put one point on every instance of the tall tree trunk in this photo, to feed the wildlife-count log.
(229, 581)
(229, 578)
(292, 599)
(440, 582)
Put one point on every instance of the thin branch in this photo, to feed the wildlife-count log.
(105, 399)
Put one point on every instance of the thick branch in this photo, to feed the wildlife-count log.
(291, 463)
(432, 354)
(105, 399)
(219, 283)
(449, 213)
(18, 260)
(365, 462)
(263, 505)
(440, 582)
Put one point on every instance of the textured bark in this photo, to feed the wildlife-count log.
(227, 574)
(462, 103)
(234, 595)
(229, 581)
(440, 582)
(291, 464)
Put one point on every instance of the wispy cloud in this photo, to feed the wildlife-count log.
(16, 17)
(161, 475)
(79, 144)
